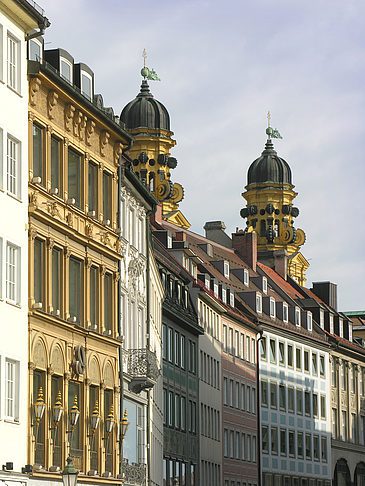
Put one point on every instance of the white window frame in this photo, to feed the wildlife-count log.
(226, 269)
(11, 390)
(285, 312)
(264, 285)
(341, 327)
(13, 169)
(246, 277)
(35, 41)
(231, 298)
(1, 54)
(87, 75)
(309, 321)
(13, 65)
(13, 273)
(332, 328)
(297, 316)
(321, 318)
(272, 308)
(258, 303)
(66, 61)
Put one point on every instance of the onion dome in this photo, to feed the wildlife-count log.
(145, 111)
(269, 168)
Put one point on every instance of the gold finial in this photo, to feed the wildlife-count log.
(144, 55)
(268, 119)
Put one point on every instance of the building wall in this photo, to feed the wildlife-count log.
(13, 232)
(284, 422)
(240, 440)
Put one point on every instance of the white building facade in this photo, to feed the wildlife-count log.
(17, 19)
(295, 409)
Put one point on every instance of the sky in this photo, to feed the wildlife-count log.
(223, 65)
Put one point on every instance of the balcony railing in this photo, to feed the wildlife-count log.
(133, 474)
(143, 369)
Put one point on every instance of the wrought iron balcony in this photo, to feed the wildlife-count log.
(143, 369)
(133, 474)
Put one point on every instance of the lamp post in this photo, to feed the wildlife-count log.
(57, 410)
(74, 414)
(69, 474)
(94, 419)
(109, 425)
(39, 408)
(124, 424)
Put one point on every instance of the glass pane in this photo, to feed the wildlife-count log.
(108, 304)
(38, 270)
(74, 180)
(93, 295)
(37, 151)
(92, 187)
(106, 196)
(86, 86)
(76, 436)
(75, 289)
(56, 279)
(34, 51)
(55, 163)
(65, 70)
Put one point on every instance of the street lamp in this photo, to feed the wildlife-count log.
(74, 414)
(39, 406)
(124, 424)
(95, 418)
(69, 474)
(57, 410)
(109, 421)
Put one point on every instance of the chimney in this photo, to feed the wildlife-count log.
(214, 230)
(327, 291)
(281, 263)
(180, 236)
(245, 244)
(157, 216)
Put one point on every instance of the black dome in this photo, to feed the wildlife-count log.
(145, 111)
(269, 168)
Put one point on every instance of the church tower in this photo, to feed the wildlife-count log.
(270, 212)
(148, 121)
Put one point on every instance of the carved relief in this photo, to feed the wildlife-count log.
(88, 262)
(32, 233)
(118, 148)
(51, 103)
(90, 128)
(105, 239)
(77, 122)
(69, 114)
(67, 251)
(69, 219)
(57, 361)
(39, 355)
(89, 230)
(104, 138)
(34, 85)
(53, 209)
(33, 201)
(82, 127)
(94, 373)
(108, 376)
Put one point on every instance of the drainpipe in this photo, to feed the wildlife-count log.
(42, 27)
(258, 408)
(148, 426)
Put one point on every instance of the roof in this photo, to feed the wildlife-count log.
(283, 284)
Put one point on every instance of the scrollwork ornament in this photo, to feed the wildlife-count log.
(69, 114)
(34, 85)
(51, 103)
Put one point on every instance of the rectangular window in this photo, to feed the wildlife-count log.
(306, 361)
(171, 409)
(285, 313)
(164, 404)
(93, 189)
(272, 351)
(231, 393)
(290, 399)
(38, 152)
(13, 273)
(13, 167)
(225, 391)
(273, 395)
(237, 343)
(274, 440)
(177, 411)
(237, 445)
(322, 366)
(230, 343)
(11, 389)
(307, 403)
(299, 397)
(283, 442)
(245, 277)
(300, 444)
(177, 348)
(86, 82)
(290, 355)
(94, 297)
(323, 406)
(308, 446)
(263, 351)
(264, 397)
(237, 395)
(298, 357)
(333, 373)
(13, 63)
(324, 449)
(248, 350)
(272, 308)
(183, 413)
(108, 304)
(344, 426)
(66, 70)
(316, 447)
(282, 401)
(242, 346)
(182, 351)
(248, 399)
(258, 303)
(281, 354)
(225, 437)
(107, 196)
(253, 401)
(264, 439)
(314, 364)
(39, 267)
(315, 404)
(224, 338)
(291, 443)
(74, 177)
(254, 448)
(334, 423)
(353, 428)
(75, 289)
(55, 165)
(170, 347)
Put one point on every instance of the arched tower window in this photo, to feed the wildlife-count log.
(151, 182)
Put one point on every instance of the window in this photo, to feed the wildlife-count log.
(237, 445)
(248, 353)
(264, 285)
(183, 413)
(74, 177)
(333, 373)
(182, 351)
(297, 316)
(334, 423)
(177, 411)
(264, 393)
(231, 393)
(225, 436)
(170, 347)
(66, 70)
(243, 346)
(253, 401)
(230, 343)
(108, 305)
(315, 404)
(316, 447)
(331, 324)
(246, 277)
(343, 376)
(291, 435)
(231, 443)
(281, 354)
(237, 395)
(300, 444)
(171, 409)
(86, 85)
(253, 448)
(307, 403)
(264, 439)
(272, 351)
(75, 289)
(224, 338)
(353, 428)
(226, 269)
(13, 167)
(290, 355)
(237, 343)
(290, 399)
(299, 397)
(225, 391)
(282, 397)
(324, 449)
(340, 327)
(55, 165)
(13, 273)
(177, 348)
(321, 318)
(306, 361)
(283, 442)
(323, 406)
(258, 303)
(314, 364)
(248, 398)
(273, 395)
(274, 440)
(39, 266)
(322, 366)
(285, 312)
(308, 446)
(298, 356)
(93, 189)
(248, 449)
(35, 50)
(352, 379)
(272, 308)
(263, 354)
(309, 321)
(11, 389)
(93, 296)
(107, 196)
(38, 135)
(13, 63)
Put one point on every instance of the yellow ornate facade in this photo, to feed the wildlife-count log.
(74, 254)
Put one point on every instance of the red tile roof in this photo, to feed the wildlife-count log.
(283, 284)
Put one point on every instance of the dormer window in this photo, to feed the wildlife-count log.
(178, 292)
(186, 297)
(297, 316)
(264, 285)
(224, 295)
(285, 312)
(86, 85)
(272, 308)
(207, 281)
(35, 50)
(163, 279)
(331, 324)
(169, 241)
(321, 318)
(226, 269)
(309, 321)
(246, 277)
(258, 303)
(341, 327)
(66, 70)
(215, 289)
(350, 332)
(231, 298)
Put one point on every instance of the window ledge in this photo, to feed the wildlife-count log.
(14, 304)
(11, 421)
(14, 197)
(15, 91)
